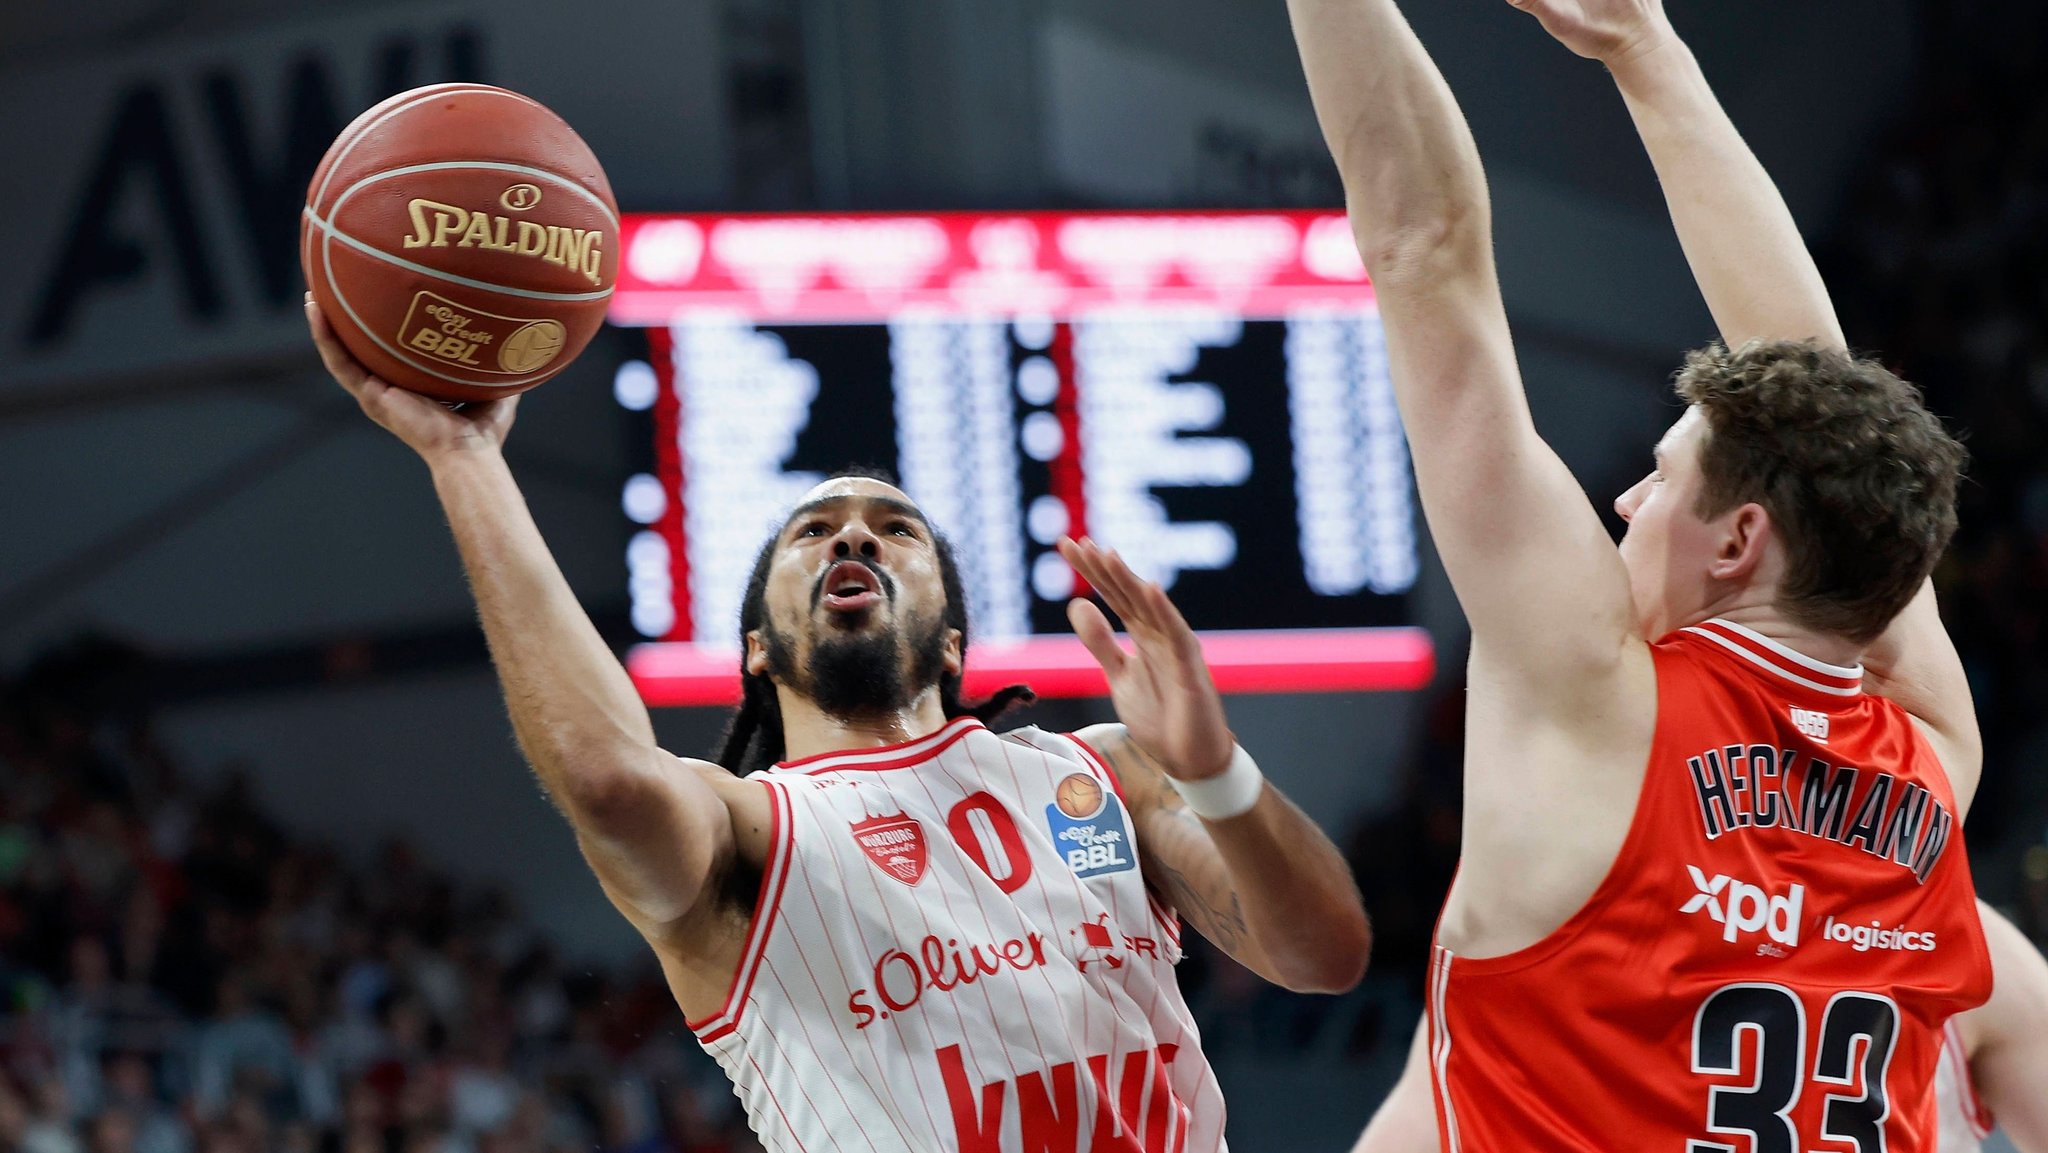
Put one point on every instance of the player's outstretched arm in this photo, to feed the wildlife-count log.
(652, 829)
(1744, 248)
(1406, 1120)
(1761, 283)
(1265, 885)
(2007, 1036)
(1533, 567)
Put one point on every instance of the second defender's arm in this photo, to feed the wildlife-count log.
(2007, 1036)
(1532, 565)
(651, 828)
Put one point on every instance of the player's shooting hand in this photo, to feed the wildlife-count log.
(1604, 30)
(426, 425)
(1162, 690)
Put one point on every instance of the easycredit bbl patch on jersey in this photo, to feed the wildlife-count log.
(1088, 827)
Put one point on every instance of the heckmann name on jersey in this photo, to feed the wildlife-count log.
(1760, 786)
(954, 952)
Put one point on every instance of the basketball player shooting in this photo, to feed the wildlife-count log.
(902, 931)
(1683, 808)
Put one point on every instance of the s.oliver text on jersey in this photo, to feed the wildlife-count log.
(901, 977)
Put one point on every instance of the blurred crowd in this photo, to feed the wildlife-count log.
(180, 976)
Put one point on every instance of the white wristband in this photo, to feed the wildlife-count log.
(1230, 793)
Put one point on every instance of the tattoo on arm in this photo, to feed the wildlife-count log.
(1198, 902)
(1181, 863)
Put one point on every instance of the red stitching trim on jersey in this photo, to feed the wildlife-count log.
(1833, 683)
(766, 904)
(768, 1087)
(1784, 655)
(1165, 914)
(844, 1045)
(896, 756)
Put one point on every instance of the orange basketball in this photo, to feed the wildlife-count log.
(462, 240)
(1078, 796)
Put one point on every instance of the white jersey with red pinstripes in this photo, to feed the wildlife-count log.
(954, 951)
(1962, 1121)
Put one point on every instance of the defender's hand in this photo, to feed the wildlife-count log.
(1162, 691)
(1604, 30)
(427, 426)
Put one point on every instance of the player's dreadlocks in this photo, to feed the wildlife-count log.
(753, 737)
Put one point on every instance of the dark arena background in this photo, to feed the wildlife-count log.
(273, 875)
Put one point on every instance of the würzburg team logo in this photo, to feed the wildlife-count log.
(895, 844)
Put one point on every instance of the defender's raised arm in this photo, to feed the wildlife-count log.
(1793, 511)
(1412, 179)
(1739, 237)
(1535, 571)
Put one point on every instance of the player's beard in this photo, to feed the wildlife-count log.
(861, 674)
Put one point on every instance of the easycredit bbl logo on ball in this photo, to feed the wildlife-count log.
(472, 338)
(1088, 827)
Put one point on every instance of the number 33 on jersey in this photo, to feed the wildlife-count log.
(1770, 962)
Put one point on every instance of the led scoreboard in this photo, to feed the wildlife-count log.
(1205, 392)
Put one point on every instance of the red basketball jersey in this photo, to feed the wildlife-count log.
(1768, 965)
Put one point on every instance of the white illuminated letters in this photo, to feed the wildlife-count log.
(1132, 421)
(957, 454)
(744, 400)
(1350, 459)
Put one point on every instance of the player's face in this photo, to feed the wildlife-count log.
(1668, 549)
(855, 602)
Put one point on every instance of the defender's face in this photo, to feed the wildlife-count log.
(1668, 549)
(856, 561)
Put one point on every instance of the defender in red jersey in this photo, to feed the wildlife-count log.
(1713, 893)
(1993, 1068)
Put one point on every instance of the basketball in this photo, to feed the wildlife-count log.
(462, 241)
(1078, 796)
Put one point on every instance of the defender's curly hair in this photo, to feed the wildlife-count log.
(753, 737)
(1859, 478)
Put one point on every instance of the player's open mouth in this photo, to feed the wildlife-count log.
(851, 586)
